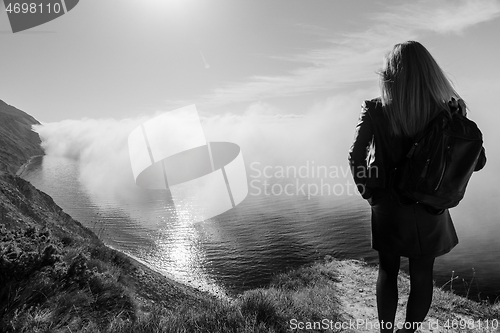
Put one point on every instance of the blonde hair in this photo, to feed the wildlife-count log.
(413, 88)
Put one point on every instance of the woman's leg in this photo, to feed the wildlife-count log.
(421, 287)
(387, 290)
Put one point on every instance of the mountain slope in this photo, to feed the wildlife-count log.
(17, 141)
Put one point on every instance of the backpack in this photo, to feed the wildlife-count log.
(441, 161)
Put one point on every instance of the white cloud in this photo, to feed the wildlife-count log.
(265, 133)
(441, 16)
(329, 69)
(353, 57)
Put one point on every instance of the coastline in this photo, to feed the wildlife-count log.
(216, 292)
(23, 168)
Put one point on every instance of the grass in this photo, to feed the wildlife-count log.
(447, 301)
(47, 287)
(44, 285)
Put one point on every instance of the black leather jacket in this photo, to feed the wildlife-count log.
(375, 152)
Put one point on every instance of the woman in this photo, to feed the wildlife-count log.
(413, 90)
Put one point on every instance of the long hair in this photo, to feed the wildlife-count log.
(413, 88)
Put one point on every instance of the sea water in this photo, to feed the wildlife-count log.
(265, 235)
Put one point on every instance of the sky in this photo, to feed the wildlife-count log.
(119, 59)
(283, 79)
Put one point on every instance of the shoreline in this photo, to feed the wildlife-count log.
(222, 294)
(22, 169)
(215, 290)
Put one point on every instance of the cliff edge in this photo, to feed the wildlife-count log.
(17, 140)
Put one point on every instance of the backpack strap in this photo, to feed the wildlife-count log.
(437, 117)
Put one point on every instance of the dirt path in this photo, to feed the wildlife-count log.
(357, 298)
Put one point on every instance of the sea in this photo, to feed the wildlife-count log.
(265, 235)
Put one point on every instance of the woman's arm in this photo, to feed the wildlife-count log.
(359, 151)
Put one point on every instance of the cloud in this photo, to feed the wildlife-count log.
(441, 16)
(99, 146)
(327, 69)
(205, 63)
(352, 57)
(266, 134)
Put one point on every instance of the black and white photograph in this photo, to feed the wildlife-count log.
(249, 166)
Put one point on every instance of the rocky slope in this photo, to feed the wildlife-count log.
(17, 141)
